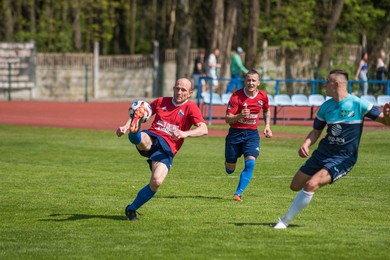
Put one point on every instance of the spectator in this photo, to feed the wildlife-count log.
(236, 68)
(212, 67)
(199, 70)
(361, 73)
(381, 70)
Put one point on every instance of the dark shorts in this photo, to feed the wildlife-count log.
(241, 142)
(159, 152)
(337, 166)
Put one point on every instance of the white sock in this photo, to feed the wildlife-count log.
(302, 199)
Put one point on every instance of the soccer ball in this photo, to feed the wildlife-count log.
(142, 106)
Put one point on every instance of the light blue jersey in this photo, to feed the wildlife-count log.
(338, 150)
(345, 122)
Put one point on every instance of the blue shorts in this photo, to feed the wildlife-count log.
(337, 166)
(159, 151)
(241, 142)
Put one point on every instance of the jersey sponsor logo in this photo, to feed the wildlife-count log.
(166, 127)
(336, 129)
(250, 120)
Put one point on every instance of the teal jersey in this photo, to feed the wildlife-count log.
(345, 124)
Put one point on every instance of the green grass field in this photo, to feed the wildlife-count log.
(63, 194)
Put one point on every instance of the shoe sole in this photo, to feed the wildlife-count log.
(237, 198)
(135, 124)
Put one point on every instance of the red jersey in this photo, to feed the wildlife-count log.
(171, 116)
(239, 100)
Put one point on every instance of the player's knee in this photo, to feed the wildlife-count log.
(311, 186)
(155, 184)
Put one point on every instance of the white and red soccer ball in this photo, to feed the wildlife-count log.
(141, 104)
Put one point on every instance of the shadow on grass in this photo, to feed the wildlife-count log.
(74, 217)
(241, 224)
(190, 197)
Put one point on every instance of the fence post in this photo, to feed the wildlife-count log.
(86, 84)
(313, 86)
(349, 87)
(9, 82)
(211, 102)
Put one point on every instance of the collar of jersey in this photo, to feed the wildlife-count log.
(250, 96)
(176, 104)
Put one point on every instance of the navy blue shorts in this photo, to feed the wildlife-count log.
(241, 142)
(159, 152)
(337, 166)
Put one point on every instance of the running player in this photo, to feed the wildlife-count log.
(242, 114)
(337, 152)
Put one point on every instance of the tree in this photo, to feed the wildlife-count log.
(251, 54)
(183, 54)
(8, 21)
(227, 37)
(76, 25)
(217, 25)
(327, 46)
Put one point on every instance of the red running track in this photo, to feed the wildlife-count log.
(106, 115)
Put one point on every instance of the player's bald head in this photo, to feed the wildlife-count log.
(185, 83)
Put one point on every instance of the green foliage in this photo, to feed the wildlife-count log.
(291, 24)
(64, 192)
(358, 17)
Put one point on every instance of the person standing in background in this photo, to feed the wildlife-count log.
(381, 70)
(212, 67)
(199, 71)
(361, 73)
(236, 68)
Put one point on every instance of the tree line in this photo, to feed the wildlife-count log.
(131, 26)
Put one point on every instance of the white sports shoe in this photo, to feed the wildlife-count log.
(280, 225)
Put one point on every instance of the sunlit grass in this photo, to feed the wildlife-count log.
(63, 193)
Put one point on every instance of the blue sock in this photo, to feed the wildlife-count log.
(228, 171)
(143, 196)
(135, 138)
(246, 176)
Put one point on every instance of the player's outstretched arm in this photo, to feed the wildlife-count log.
(384, 117)
(123, 129)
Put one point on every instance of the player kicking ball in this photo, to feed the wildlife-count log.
(337, 152)
(174, 120)
(242, 114)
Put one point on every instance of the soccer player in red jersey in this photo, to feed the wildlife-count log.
(242, 114)
(174, 118)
